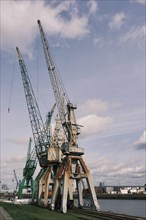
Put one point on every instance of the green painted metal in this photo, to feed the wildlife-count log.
(28, 182)
(36, 185)
(48, 122)
(40, 135)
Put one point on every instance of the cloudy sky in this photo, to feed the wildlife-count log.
(99, 49)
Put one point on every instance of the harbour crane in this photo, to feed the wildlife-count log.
(17, 182)
(58, 136)
(38, 128)
(66, 111)
(73, 168)
(48, 122)
(31, 163)
(44, 150)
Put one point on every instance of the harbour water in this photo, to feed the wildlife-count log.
(123, 206)
(129, 207)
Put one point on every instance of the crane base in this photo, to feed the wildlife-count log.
(73, 170)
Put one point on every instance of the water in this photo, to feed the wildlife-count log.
(129, 207)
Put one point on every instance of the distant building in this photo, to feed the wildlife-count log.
(132, 189)
(125, 190)
(100, 189)
(5, 187)
(119, 189)
(109, 189)
(142, 189)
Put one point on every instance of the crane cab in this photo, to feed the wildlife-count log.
(73, 150)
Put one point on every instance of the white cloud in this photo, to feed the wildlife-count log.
(117, 20)
(14, 160)
(19, 22)
(98, 41)
(16, 163)
(105, 170)
(89, 117)
(141, 142)
(93, 6)
(76, 28)
(93, 106)
(21, 140)
(134, 34)
(140, 1)
(94, 124)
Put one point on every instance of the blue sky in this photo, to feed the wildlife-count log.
(99, 49)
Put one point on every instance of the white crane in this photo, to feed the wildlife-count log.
(73, 168)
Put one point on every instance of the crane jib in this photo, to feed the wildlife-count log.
(65, 108)
(38, 128)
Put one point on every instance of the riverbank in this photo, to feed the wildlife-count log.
(116, 196)
(29, 212)
(122, 196)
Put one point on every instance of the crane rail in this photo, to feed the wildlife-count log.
(104, 215)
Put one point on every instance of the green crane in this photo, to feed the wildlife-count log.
(31, 162)
(48, 122)
(40, 135)
(28, 182)
(48, 156)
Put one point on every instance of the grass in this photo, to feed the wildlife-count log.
(29, 212)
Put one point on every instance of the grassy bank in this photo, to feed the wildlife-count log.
(29, 212)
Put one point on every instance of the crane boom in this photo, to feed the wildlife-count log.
(28, 172)
(66, 174)
(58, 89)
(17, 182)
(29, 150)
(31, 161)
(38, 129)
(65, 107)
(48, 121)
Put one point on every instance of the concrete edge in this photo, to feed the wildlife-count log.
(5, 215)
